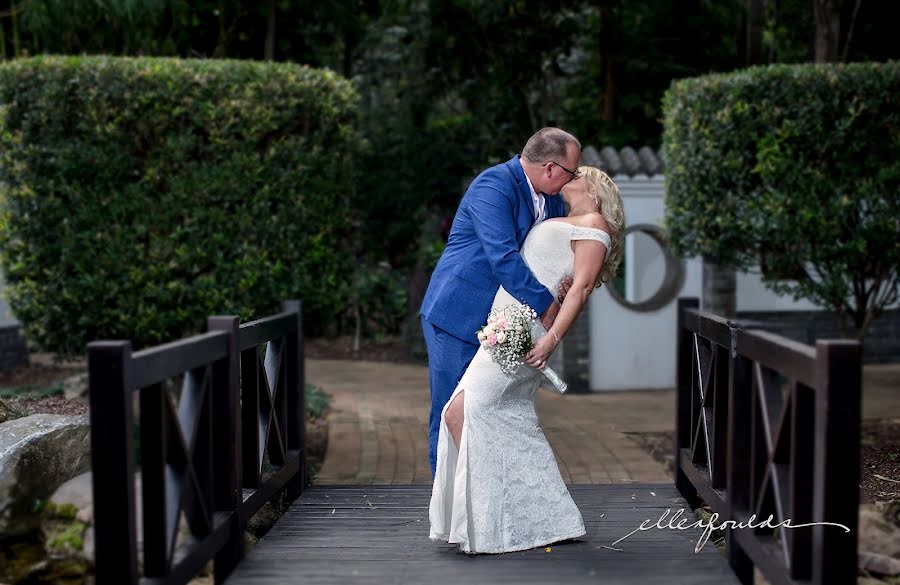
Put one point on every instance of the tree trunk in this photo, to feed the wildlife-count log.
(609, 88)
(15, 34)
(350, 43)
(2, 41)
(719, 287)
(412, 326)
(270, 31)
(827, 14)
(754, 19)
(849, 38)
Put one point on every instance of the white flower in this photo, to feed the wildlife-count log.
(481, 336)
(501, 337)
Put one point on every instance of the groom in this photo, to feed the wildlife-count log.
(493, 219)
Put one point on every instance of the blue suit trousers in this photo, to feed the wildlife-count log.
(448, 358)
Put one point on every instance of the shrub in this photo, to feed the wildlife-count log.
(794, 168)
(143, 194)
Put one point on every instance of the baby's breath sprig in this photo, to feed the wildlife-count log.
(507, 335)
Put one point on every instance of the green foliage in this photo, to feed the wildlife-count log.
(432, 252)
(66, 536)
(794, 167)
(448, 87)
(11, 409)
(627, 53)
(379, 293)
(141, 195)
(54, 389)
(316, 401)
(65, 511)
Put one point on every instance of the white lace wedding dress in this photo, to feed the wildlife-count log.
(500, 490)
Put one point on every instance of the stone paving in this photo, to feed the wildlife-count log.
(378, 427)
(378, 424)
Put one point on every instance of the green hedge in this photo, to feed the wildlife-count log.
(141, 195)
(784, 163)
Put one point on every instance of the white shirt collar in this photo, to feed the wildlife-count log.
(536, 198)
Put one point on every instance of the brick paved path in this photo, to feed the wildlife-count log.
(378, 427)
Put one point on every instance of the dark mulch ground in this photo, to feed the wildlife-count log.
(879, 457)
(38, 374)
(880, 460)
(37, 389)
(389, 349)
(56, 404)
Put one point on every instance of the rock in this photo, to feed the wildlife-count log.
(75, 386)
(68, 521)
(77, 495)
(879, 564)
(878, 534)
(38, 453)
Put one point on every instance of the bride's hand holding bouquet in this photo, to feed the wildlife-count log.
(507, 338)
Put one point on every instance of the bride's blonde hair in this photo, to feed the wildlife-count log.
(605, 194)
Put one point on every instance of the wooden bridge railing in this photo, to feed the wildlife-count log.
(766, 425)
(230, 440)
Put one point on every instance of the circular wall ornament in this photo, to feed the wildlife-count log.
(672, 280)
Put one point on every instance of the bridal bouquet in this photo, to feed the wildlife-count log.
(507, 338)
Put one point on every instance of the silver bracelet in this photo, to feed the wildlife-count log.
(554, 334)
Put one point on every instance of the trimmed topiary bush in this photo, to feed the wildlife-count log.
(141, 195)
(795, 168)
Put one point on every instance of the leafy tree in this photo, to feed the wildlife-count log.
(797, 169)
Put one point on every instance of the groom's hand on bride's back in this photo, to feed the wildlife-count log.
(564, 286)
(549, 316)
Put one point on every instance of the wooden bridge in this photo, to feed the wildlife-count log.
(764, 426)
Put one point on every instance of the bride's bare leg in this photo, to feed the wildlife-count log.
(454, 417)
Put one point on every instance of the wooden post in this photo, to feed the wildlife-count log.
(296, 393)
(154, 435)
(720, 388)
(249, 401)
(740, 403)
(112, 461)
(836, 498)
(802, 485)
(683, 392)
(227, 470)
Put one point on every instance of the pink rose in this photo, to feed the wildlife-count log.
(492, 339)
(502, 323)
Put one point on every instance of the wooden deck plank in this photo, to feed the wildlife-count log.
(379, 534)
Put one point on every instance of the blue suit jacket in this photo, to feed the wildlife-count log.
(482, 253)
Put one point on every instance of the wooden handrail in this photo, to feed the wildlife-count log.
(195, 453)
(768, 426)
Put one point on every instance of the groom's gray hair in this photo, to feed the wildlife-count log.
(549, 144)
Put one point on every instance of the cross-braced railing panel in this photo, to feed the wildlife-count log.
(271, 408)
(264, 410)
(766, 411)
(709, 401)
(176, 469)
(192, 402)
(701, 452)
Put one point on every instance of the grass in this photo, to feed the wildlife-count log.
(316, 401)
(32, 391)
(10, 410)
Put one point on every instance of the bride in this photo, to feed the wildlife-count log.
(497, 487)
